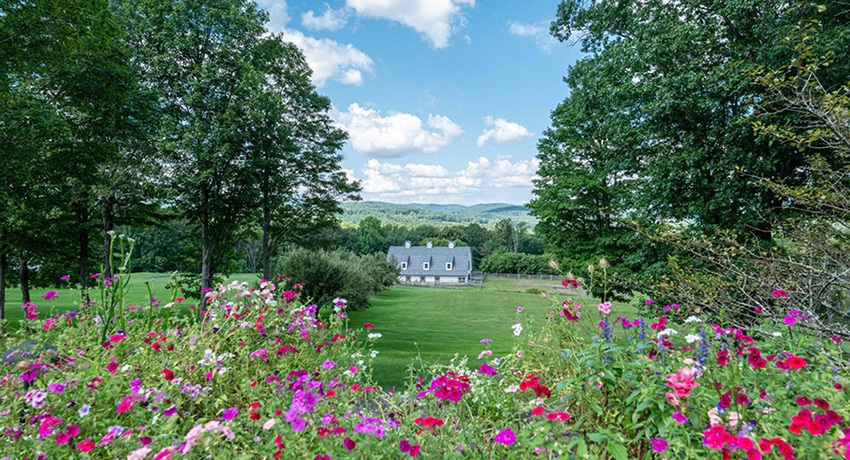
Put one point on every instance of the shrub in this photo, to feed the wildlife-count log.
(339, 274)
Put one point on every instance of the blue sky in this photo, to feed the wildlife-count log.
(443, 100)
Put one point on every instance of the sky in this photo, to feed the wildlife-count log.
(443, 100)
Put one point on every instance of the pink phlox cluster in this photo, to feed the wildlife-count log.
(681, 383)
(450, 386)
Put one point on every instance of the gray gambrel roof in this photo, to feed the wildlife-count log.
(436, 256)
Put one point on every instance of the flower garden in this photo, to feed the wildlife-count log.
(255, 373)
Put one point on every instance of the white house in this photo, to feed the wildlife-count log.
(432, 264)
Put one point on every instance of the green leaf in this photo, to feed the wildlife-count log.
(618, 451)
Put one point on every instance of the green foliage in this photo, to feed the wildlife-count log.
(326, 276)
(512, 262)
(412, 215)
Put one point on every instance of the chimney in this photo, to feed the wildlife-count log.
(430, 244)
(451, 244)
(407, 244)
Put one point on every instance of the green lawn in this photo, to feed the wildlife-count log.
(436, 324)
(68, 299)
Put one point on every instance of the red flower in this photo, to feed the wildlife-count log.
(168, 374)
(796, 362)
(368, 326)
(85, 445)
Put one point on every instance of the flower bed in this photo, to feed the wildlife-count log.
(256, 374)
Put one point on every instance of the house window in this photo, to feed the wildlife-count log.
(426, 265)
(448, 266)
(404, 265)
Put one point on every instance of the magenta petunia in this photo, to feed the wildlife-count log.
(658, 444)
(65, 277)
(229, 413)
(506, 437)
(680, 417)
(349, 443)
(50, 295)
(790, 320)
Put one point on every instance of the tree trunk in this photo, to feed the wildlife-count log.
(84, 260)
(24, 274)
(108, 226)
(3, 261)
(267, 221)
(207, 248)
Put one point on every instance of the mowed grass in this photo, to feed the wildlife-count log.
(432, 326)
(70, 299)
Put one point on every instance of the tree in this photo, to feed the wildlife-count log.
(200, 57)
(674, 76)
(295, 150)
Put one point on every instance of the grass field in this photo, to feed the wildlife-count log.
(418, 324)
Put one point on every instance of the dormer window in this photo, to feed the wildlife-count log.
(404, 265)
(426, 265)
(448, 266)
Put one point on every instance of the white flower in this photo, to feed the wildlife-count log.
(777, 334)
(667, 332)
(691, 338)
(375, 335)
(512, 389)
(517, 329)
(373, 354)
(692, 319)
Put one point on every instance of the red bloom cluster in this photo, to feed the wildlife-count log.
(560, 416)
(792, 362)
(532, 382)
(660, 325)
(450, 386)
(570, 311)
(716, 437)
(429, 423)
(569, 283)
(814, 424)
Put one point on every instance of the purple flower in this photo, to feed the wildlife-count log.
(790, 320)
(680, 417)
(506, 437)
(349, 443)
(519, 309)
(170, 411)
(328, 365)
(50, 294)
(650, 301)
(658, 444)
(486, 340)
(486, 369)
(228, 414)
(65, 277)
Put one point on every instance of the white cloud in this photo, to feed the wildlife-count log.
(278, 17)
(331, 19)
(330, 59)
(539, 31)
(396, 134)
(483, 180)
(502, 132)
(435, 19)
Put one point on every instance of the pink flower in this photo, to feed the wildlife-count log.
(680, 417)
(658, 444)
(506, 437)
(486, 340)
(50, 294)
(790, 320)
(85, 445)
(65, 277)
(486, 369)
(779, 293)
(349, 443)
(604, 308)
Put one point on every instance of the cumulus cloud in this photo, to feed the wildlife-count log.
(436, 20)
(482, 180)
(395, 134)
(278, 17)
(330, 59)
(501, 132)
(331, 19)
(538, 31)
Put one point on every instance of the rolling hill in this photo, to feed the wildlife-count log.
(435, 214)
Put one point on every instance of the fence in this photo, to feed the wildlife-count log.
(518, 276)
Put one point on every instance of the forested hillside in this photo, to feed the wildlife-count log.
(436, 214)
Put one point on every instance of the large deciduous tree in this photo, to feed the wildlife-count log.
(664, 92)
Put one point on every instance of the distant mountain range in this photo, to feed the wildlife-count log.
(440, 215)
